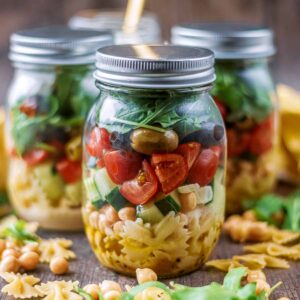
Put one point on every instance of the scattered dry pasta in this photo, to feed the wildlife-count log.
(59, 290)
(21, 286)
(243, 230)
(251, 261)
(276, 250)
(55, 248)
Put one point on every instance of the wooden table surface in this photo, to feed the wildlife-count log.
(86, 269)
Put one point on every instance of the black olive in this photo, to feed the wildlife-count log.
(120, 141)
(210, 134)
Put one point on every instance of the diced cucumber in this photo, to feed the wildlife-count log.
(167, 204)
(92, 192)
(117, 200)
(74, 193)
(103, 182)
(149, 213)
(51, 183)
(98, 203)
(203, 194)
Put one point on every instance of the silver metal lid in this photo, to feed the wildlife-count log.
(57, 45)
(227, 40)
(147, 31)
(154, 66)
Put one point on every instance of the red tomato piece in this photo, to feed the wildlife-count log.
(221, 106)
(237, 142)
(69, 170)
(122, 165)
(143, 187)
(171, 170)
(98, 141)
(35, 156)
(262, 138)
(217, 150)
(190, 152)
(204, 168)
(29, 107)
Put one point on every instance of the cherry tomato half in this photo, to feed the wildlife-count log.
(171, 170)
(221, 106)
(238, 142)
(143, 187)
(29, 106)
(122, 165)
(35, 156)
(190, 152)
(69, 170)
(262, 138)
(98, 141)
(204, 168)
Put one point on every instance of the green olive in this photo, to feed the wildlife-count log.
(149, 141)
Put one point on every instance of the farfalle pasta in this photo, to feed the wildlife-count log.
(21, 286)
(59, 290)
(55, 248)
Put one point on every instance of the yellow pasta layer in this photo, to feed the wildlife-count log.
(169, 247)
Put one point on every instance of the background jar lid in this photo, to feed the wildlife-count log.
(147, 31)
(57, 45)
(155, 66)
(227, 40)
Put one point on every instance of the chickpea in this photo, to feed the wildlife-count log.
(2, 246)
(11, 245)
(11, 252)
(93, 290)
(249, 215)
(103, 222)
(145, 275)
(108, 285)
(127, 213)
(29, 260)
(111, 215)
(9, 264)
(262, 286)
(93, 219)
(284, 298)
(152, 293)
(31, 247)
(188, 201)
(118, 227)
(112, 295)
(59, 265)
(255, 275)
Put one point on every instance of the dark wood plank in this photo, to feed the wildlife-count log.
(86, 269)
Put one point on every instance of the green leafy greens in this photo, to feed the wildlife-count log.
(231, 289)
(245, 90)
(270, 206)
(66, 104)
(123, 114)
(19, 232)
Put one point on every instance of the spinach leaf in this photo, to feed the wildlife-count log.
(27, 130)
(244, 96)
(18, 232)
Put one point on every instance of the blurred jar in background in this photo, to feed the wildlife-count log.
(147, 31)
(48, 100)
(4, 205)
(245, 94)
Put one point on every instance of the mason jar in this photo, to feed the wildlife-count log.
(245, 94)
(147, 31)
(154, 155)
(51, 92)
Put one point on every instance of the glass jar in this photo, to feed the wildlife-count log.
(4, 203)
(48, 99)
(154, 155)
(147, 31)
(245, 94)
